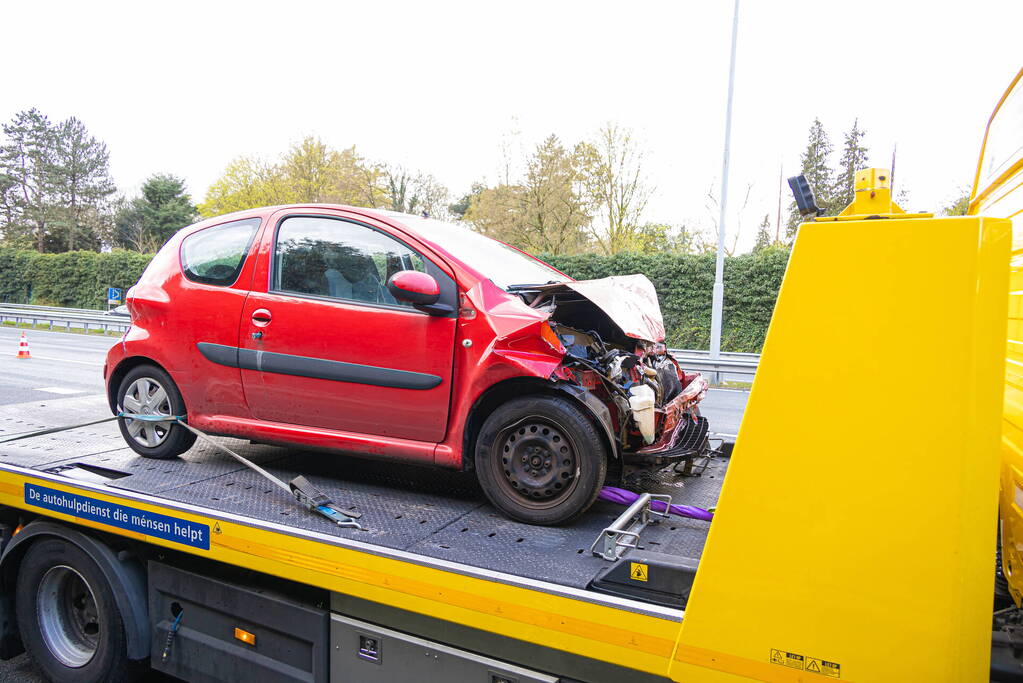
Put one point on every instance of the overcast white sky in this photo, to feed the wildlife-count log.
(185, 87)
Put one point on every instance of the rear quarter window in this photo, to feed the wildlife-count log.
(214, 256)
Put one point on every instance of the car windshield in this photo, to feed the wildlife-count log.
(504, 265)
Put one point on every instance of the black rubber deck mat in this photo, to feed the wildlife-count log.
(428, 511)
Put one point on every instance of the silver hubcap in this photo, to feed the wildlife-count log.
(145, 396)
(68, 618)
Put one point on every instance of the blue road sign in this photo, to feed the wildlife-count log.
(115, 295)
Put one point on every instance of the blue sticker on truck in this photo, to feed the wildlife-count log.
(120, 516)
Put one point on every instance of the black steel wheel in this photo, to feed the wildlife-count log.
(540, 459)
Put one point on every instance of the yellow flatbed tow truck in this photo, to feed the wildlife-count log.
(858, 550)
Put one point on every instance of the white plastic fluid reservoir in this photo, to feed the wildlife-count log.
(641, 400)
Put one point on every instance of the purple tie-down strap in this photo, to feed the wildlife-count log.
(623, 497)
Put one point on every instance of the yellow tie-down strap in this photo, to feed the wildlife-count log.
(598, 631)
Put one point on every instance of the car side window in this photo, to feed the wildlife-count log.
(214, 256)
(338, 259)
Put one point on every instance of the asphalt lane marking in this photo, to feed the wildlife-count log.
(61, 390)
(66, 360)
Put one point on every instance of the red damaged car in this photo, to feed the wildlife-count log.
(392, 336)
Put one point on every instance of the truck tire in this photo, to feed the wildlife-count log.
(540, 460)
(68, 618)
(148, 389)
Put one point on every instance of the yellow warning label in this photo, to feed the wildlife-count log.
(216, 528)
(814, 665)
(639, 572)
(789, 659)
(823, 667)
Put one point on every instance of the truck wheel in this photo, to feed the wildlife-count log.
(540, 460)
(67, 617)
(149, 390)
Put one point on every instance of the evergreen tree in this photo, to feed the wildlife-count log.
(25, 164)
(815, 162)
(146, 222)
(78, 184)
(763, 234)
(54, 184)
(854, 157)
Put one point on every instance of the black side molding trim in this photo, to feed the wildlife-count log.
(219, 354)
(316, 368)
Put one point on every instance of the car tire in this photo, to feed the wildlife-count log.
(68, 617)
(152, 440)
(540, 459)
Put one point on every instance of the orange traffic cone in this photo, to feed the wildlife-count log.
(23, 351)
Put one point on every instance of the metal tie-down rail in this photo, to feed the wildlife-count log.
(623, 534)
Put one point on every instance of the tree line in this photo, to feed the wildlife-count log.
(834, 184)
(588, 196)
(582, 197)
(56, 193)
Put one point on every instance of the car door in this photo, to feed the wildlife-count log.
(324, 344)
(190, 314)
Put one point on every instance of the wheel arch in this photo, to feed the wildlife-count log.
(123, 368)
(503, 391)
(126, 575)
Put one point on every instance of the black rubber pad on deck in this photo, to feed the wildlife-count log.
(432, 512)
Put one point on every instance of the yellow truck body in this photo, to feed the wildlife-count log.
(998, 191)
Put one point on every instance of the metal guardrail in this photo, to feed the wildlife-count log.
(730, 366)
(50, 309)
(731, 355)
(721, 370)
(741, 367)
(68, 318)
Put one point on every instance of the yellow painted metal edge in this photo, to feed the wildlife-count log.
(600, 632)
(976, 195)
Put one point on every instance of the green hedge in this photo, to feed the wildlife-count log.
(684, 282)
(78, 279)
(684, 285)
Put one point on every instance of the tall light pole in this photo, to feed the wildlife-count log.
(719, 264)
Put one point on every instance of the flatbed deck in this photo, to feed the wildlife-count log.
(430, 513)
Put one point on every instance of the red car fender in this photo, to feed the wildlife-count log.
(507, 342)
(501, 342)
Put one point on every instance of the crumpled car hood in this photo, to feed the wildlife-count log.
(630, 301)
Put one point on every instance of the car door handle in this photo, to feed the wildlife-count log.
(261, 317)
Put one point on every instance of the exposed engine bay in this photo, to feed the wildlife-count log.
(612, 337)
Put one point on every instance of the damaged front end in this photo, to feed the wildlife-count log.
(612, 336)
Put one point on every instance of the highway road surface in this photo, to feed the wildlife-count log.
(61, 365)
